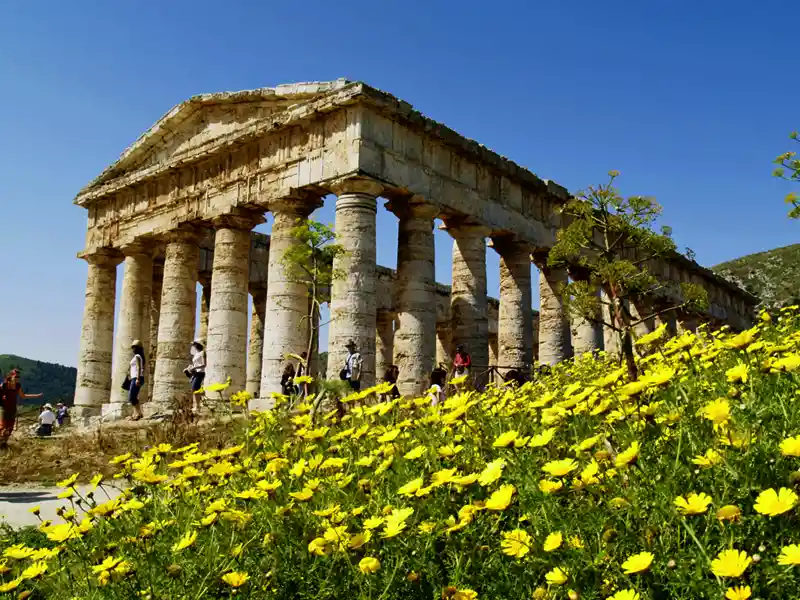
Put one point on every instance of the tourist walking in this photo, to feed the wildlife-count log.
(287, 380)
(302, 368)
(61, 414)
(135, 380)
(10, 392)
(196, 371)
(461, 362)
(352, 366)
(46, 419)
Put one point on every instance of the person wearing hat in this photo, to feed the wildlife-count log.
(46, 419)
(10, 390)
(135, 379)
(61, 414)
(352, 366)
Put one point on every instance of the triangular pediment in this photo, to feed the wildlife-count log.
(204, 121)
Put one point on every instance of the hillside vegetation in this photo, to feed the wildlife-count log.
(773, 276)
(681, 485)
(57, 382)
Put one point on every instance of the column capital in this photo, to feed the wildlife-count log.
(103, 257)
(509, 244)
(356, 185)
(300, 203)
(539, 257)
(465, 229)
(139, 247)
(414, 207)
(185, 233)
(239, 219)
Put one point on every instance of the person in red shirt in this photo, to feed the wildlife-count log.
(462, 361)
(10, 391)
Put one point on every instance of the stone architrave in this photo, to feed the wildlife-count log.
(93, 384)
(515, 318)
(415, 292)
(286, 312)
(155, 311)
(255, 352)
(587, 334)
(469, 309)
(226, 348)
(353, 299)
(133, 322)
(205, 309)
(176, 319)
(384, 343)
(554, 333)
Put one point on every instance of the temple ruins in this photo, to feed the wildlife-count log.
(180, 204)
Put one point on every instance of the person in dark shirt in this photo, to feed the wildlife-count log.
(10, 391)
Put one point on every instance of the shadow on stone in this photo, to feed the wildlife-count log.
(23, 497)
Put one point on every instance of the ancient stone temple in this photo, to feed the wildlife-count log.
(179, 206)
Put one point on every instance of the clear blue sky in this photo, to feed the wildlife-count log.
(689, 100)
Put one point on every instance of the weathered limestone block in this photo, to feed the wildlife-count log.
(353, 298)
(384, 343)
(255, 352)
(227, 319)
(286, 309)
(515, 319)
(468, 301)
(205, 308)
(176, 319)
(554, 333)
(93, 386)
(415, 290)
(587, 334)
(133, 322)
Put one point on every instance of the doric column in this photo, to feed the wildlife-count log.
(384, 343)
(286, 310)
(133, 322)
(515, 319)
(93, 385)
(587, 334)
(226, 348)
(687, 321)
(255, 353)
(554, 334)
(444, 350)
(468, 301)
(155, 311)
(205, 307)
(610, 336)
(176, 319)
(668, 317)
(415, 291)
(353, 301)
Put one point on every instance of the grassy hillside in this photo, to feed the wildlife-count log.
(773, 276)
(55, 381)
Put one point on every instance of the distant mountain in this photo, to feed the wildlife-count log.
(57, 382)
(773, 276)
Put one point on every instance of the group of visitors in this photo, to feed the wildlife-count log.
(49, 417)
(134, 380)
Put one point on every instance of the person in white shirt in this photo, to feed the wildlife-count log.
(46, 420)
(135, 379)
(196, 371)
(352, 366)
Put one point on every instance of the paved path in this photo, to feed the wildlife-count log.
(16, 502)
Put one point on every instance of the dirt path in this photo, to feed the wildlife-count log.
(16, 502)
